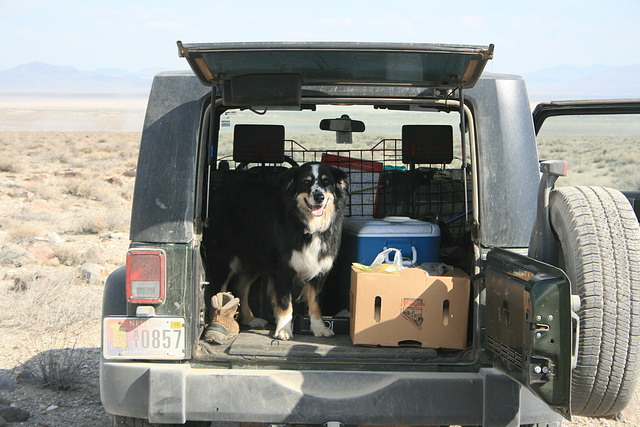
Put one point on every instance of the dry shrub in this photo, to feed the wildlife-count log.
(106, 194)
(85, 149)
(54, 307)
(112, 220)
(12, 255)
(6, 222)
(59, 368)
(78, 188)
(42, 191)
(24, 233)
(67, 254)
(94, 225)
(10, 165)
(59, 156)
(111, 147)
(91, 189)
(117, 220)
(28, 214)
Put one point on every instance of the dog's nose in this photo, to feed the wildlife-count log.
(318, 197)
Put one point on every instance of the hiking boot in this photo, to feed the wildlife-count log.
(223, 326)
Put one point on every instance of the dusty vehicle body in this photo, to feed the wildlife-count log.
(524, 338)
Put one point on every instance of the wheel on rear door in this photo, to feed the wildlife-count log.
(599, 240)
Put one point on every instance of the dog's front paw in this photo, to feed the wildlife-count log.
(323, 332)
(283, 334)
(319, 329)
(256, 323)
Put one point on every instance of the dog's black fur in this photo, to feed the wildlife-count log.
(287, 232)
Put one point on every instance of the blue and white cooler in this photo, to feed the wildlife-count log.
(364, 239)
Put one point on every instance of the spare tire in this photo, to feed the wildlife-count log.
(599, 241)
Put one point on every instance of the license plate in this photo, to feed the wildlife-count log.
(143, 338)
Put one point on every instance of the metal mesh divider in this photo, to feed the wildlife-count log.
(381, 185)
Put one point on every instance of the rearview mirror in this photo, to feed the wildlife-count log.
(343, 124)
(343, 127)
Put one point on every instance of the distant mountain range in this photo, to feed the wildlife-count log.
(40, 77)
(557, 83)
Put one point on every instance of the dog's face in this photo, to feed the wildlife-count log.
(317, 188)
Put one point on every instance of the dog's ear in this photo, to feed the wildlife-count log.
(288, 177)
(341, 178)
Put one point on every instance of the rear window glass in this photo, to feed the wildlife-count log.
(303, 127)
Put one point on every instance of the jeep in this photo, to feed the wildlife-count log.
(553, 304)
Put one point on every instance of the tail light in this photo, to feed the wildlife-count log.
(145, 276)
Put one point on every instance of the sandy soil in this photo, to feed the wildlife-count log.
(65, 200)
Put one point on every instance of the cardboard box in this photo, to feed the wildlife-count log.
(409, 309)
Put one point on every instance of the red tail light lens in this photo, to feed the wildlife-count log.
(145, 276)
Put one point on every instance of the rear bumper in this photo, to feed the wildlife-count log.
(175, 393)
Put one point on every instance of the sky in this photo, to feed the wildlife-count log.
(139, 35)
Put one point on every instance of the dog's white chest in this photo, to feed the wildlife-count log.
(307, 262)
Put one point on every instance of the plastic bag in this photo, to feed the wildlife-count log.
(435, 268)
(379, 266)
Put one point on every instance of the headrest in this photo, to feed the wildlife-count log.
(258, 143)
(427, 144)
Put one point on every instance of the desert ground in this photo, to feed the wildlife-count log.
(65, 197)
(64, 215)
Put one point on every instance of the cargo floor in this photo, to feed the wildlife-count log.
(259, 344)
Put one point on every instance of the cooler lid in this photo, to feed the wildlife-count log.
(390, 226)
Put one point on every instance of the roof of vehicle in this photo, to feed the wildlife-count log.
(336, 63)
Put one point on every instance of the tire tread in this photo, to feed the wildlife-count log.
(600, 237)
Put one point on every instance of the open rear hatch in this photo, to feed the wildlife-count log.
(411, 64)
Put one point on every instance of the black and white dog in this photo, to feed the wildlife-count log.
(287, 232)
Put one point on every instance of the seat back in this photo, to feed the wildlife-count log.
(427, 144)
(258, 143)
